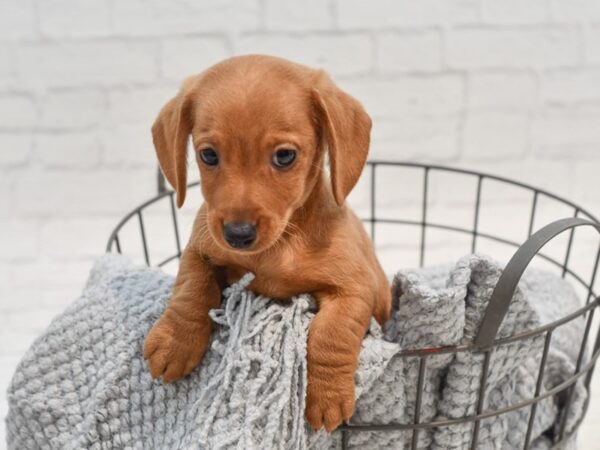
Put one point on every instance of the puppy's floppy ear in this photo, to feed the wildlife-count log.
(346, 129)
(170, 134)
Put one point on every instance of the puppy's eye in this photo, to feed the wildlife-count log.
(284, 157)
(209, 156)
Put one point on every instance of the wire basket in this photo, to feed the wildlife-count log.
(472, 193)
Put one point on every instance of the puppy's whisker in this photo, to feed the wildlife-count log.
(293, 230)
(204, 232)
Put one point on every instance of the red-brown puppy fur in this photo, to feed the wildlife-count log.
(308, 240)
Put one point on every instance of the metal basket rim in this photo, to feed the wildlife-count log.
(378, 162)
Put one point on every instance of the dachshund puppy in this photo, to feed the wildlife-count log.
(261, 128)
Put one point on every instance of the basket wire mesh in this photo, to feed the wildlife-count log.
(486, 341)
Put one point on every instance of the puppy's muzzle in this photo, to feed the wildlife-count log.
(239, 235)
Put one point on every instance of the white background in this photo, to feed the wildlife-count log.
(506, 86)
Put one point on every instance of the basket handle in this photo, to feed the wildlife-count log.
(507, 283)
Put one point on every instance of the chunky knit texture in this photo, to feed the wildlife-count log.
(84, 384)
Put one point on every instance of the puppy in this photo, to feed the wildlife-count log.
(261, 128)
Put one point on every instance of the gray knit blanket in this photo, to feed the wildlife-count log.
(84, 384)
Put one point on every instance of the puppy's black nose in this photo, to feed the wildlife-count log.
(239, 234)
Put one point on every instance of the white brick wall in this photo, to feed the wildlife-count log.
(511, 87)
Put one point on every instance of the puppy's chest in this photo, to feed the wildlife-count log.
(280, 278)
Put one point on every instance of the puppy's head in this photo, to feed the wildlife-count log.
(260, 127)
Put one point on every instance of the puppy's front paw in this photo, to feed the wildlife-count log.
(329, 401)
(173, 350)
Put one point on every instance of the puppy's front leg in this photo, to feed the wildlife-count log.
(178, 340)
(334, 341)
